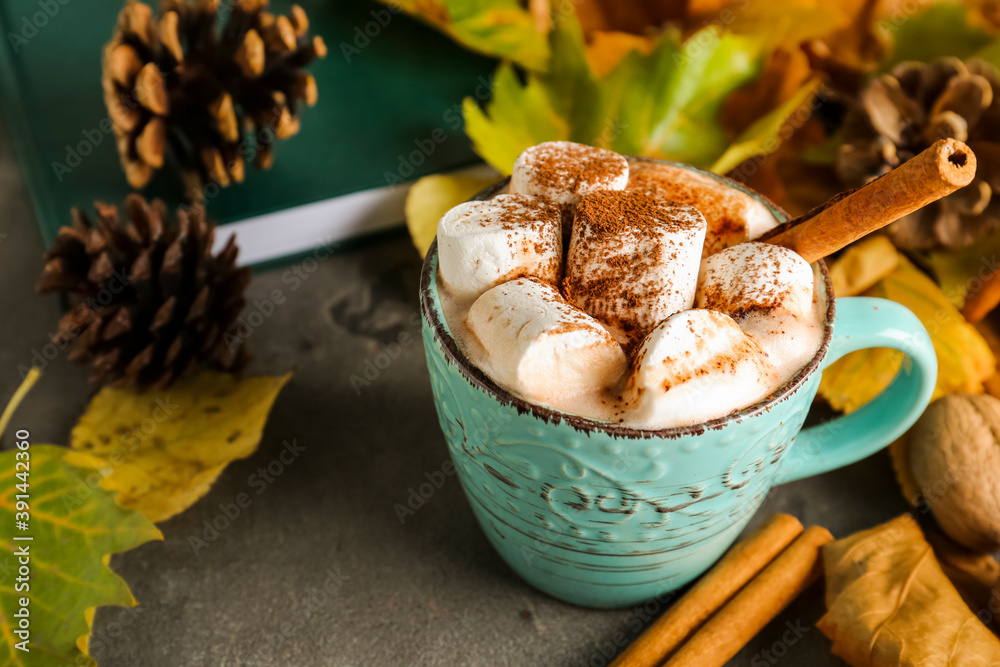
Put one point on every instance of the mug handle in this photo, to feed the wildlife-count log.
(865, 322)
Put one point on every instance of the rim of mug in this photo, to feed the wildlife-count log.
(475, 376)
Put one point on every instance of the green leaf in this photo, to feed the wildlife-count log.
(74, 525)
(990, 53)
(957, 271)
(665, 104)
(528, 119)
(764, 135)
(500, 28)
(943, 29)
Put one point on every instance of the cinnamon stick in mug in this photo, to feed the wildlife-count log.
(738, 566)
(935, 173)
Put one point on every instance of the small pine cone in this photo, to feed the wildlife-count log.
(209, 95)
(148, 299)
(903, 112)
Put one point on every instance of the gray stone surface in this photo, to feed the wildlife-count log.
(429, 591)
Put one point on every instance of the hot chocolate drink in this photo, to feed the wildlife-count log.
(632, 298)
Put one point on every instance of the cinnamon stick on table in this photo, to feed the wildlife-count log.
(756, 605)
(740, 564)
(935, 173)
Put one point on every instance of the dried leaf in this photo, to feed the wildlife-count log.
(74, 526)
(665, 104)
(501, 28)
(430, 198)
(165, 449)
(964, 358)
(889, 603)
(862, 265)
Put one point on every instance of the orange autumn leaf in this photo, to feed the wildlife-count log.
(889, 603)
(626, 15)
(605, 49)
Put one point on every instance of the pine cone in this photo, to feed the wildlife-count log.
(903, 112)
(212, 95)
(149, 300)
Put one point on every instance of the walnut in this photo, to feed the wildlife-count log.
(953, 461)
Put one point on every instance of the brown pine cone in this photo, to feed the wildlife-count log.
(903, 112)
(209, 95)
(149, 300)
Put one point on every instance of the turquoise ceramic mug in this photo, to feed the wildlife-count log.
(606, 516)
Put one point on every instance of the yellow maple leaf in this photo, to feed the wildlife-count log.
(166, 448)
(964, 359)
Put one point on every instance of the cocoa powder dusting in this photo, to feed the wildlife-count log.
(721, 208)
(611, 226)
(567, 167)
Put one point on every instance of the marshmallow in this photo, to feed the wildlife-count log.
(695, 366)
(540, 347)
(633, 261)
(733, 216)
(484, 243)
(565, 172)
(756, 279)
